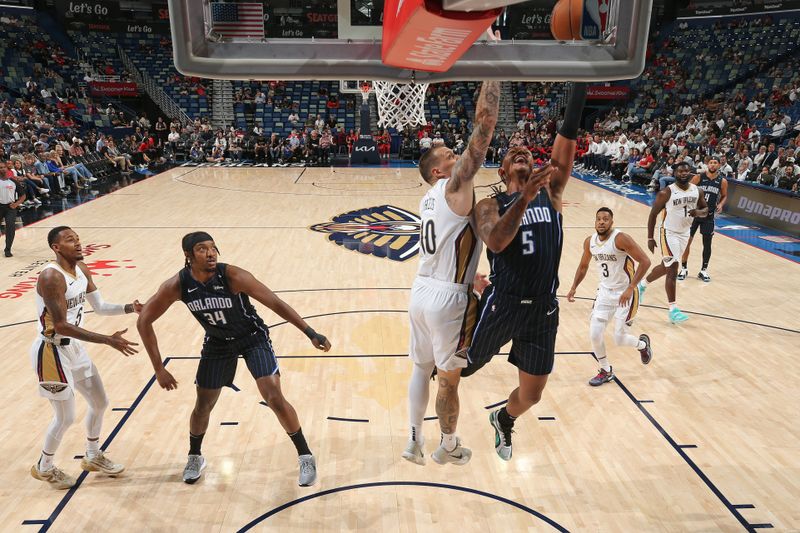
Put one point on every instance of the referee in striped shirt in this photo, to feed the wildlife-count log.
(11, 197)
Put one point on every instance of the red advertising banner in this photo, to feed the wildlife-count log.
(601, 92)
(113, 88)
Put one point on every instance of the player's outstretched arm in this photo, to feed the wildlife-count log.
(52, 286)
(626, 243)
(580, 273)
(498, 231)
(168, 293)
(243, 281)
(470, 162)
(658, 205)
(563, 155)
(100, 306)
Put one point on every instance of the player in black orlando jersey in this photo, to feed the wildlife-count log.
(523, 232)
(218, 295)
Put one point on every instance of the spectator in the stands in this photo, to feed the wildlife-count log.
(196, 153)
(325, 146)
(425, 143)
(161, 130)
(765, 177)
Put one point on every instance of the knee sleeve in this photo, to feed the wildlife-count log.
(622, 336)
(707, 248)
(596, 330)
(63, 418)
(95, 394)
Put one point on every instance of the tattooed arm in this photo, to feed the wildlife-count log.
(459, 187)
(498, 231)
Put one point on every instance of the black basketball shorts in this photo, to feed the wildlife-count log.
(530, 324)
(219, 358)
(706, 226)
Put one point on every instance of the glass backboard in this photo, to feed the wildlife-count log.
(315, 39)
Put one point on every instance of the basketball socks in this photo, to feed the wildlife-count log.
(683, 266)
(505, 419)
(92, 448)
(673, 306)
(416, 434)
(299, 442)
(449, 441)
(195, 442)
(641, 345)
(604, 364)
(45, 462)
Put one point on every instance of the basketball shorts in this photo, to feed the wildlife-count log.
(706, 226)
(530, 324)
(672, 246)
(219, 358)
(443, 317)
(606, 305)
(59, 365)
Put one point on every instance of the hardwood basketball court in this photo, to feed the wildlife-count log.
(702, 439)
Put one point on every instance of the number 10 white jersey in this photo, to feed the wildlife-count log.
(75, 296)
(449, 246)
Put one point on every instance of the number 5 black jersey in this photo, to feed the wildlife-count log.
(224, 315)
(528, 267)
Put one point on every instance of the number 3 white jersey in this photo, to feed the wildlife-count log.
(676, 212)
(614, 267)
(75, 296)
(449, 247)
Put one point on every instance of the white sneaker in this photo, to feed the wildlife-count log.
(308, 470)
(194, 468)
(414, 453)
(101, 463)
(682, 273)
(458, 455)
(703, 275)
(55, 477)
(92, 179)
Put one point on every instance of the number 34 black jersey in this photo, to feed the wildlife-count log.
(224, 315)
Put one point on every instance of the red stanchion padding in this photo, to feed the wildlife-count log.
(420, 35)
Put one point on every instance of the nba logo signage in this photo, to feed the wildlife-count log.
(595, 19)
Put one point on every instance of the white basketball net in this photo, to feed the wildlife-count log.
(400, 104)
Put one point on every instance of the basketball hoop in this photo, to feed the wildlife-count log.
(400, 104)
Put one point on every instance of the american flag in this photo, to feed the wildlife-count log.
(238, 20)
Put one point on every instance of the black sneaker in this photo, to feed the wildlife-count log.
(647, 351)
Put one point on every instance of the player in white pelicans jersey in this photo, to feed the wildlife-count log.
(681, 203)
(443, 309)
(616, 255)
(60, 360)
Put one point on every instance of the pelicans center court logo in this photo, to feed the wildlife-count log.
(383, 231)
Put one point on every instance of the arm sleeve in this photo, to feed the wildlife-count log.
(102, 308)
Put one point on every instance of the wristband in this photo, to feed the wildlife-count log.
(313, 335)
